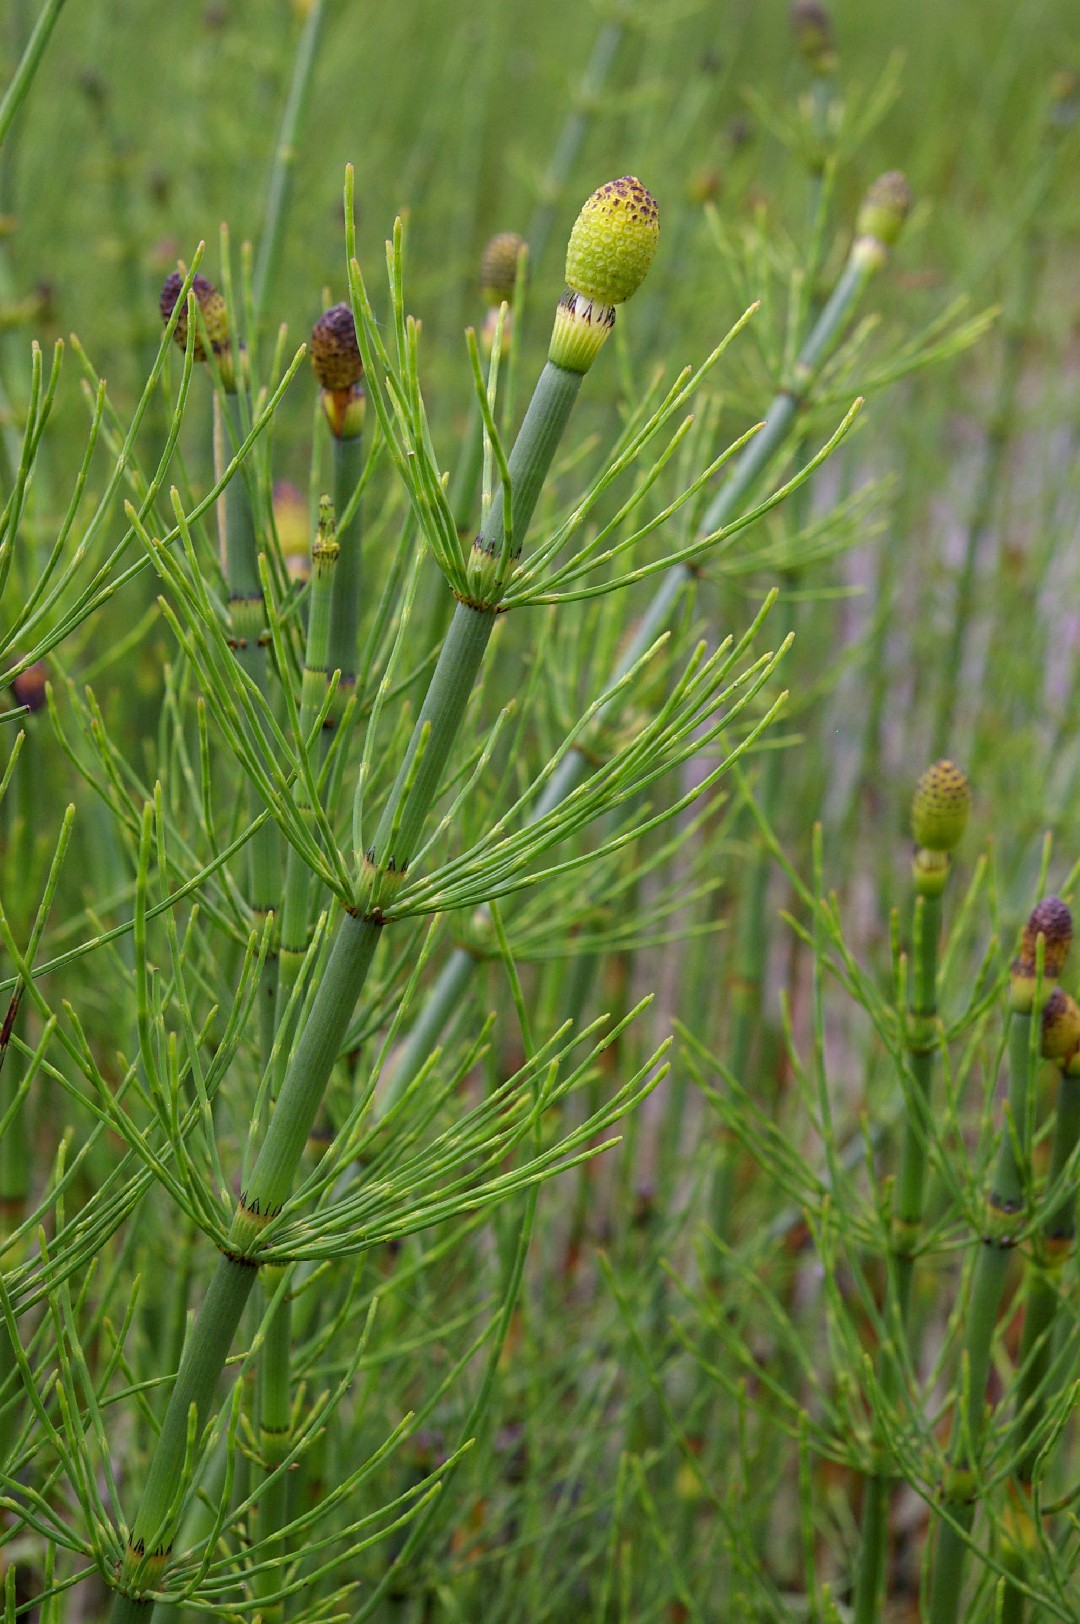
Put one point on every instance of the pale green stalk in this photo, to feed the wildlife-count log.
(15, 94)
(281, 173)
(1002, 424)
(572, 135)
(752, 940)
(1004, 1218)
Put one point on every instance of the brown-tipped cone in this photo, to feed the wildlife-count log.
(1051, 920)
(335, 354)
(28, 688)
(885, 207)
(940, 806)
(214, 314)
(499, 267)
(811, 26)
(1060, 1026)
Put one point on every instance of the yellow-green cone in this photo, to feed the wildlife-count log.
(613, 242)
(939, 809)
(611, 247)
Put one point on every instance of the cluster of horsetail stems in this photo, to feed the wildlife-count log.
(879, 222)
(611, 248)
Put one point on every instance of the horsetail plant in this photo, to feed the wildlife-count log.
(1044, 948)
(939, 815)
(610, 250)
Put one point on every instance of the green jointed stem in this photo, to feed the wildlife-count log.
(471, 627)
(309, 1072)
(196, 1384)
(403, 817)
(909, 1194)
(1003, 1219)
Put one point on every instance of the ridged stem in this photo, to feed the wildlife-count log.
(208, 1347)
(470, 628)
(1004, 1218)
(464, 486)
(909, 1203)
